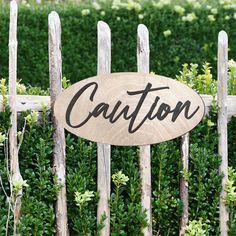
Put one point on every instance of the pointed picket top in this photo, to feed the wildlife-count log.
(222, 37)
(104, 48)
(54, 26)
(143, 49)
(54, 31)
(143, 37)
(222, 59)
(103, 27)
(53, 19)
(13, 19)
(13, 5)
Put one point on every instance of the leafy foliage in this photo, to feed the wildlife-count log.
(127, 216)
(165, 174)
(196, 228)
(35, 159)
(230, 199)
(192, 36)
(179, 34)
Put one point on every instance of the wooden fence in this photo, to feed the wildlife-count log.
(18, 103)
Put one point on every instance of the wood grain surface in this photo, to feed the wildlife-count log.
(222, 125)
(59, 155)
(107, 109)
(143, 58)
(103, 150)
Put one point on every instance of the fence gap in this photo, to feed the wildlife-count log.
(15, 175)
(59, 156)
(145, 151)
(104, 150)
(222, 124)
(184, 182)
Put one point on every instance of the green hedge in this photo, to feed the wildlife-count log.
(127, 218)
(193, 41)
(189, 41)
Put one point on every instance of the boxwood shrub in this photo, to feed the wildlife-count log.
(175, 37)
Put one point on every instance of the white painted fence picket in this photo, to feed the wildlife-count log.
(222, 124)
(18, 103)
(145, 151)
(104, 150)
(59, 150)
(15, 175)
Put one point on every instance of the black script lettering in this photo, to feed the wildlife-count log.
(180, 107)
(74, 100)
(119, 111)
(101, 108)
(163, 107)
(163, 111)
(148, 114)
(139, 105)
(124, 112)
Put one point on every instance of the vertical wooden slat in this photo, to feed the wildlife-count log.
(104, 150)
(13, 149)
(12, 87)
(222, 124)
(59, 162)
(184, 183)
(145, 155)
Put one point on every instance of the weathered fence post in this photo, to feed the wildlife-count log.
(145, 151)
(222, 124)
(59, 165)
(13, 149)
(184, 183)
(104, 150)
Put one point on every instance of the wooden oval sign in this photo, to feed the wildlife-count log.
(129, 109)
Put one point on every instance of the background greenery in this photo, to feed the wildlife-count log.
(187, 41)
(192, 40)
(126, 215)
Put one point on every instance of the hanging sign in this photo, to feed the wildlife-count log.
(129, 109)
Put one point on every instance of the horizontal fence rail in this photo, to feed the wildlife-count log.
(35, 102)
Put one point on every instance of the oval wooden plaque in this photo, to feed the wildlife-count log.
(129, 109)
